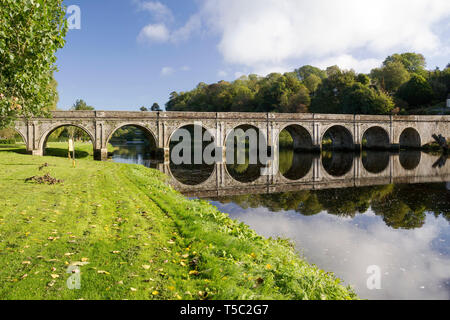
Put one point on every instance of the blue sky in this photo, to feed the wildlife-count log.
(130, 53)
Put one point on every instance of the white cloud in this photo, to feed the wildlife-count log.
(184, 33)
(263, 36)
(154, 33)
(159, 11)
(167, 71)
(185, 68)
(269, 33)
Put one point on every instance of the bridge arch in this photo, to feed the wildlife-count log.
(340, 138)
(410, 138)
(186, 124)
(191, 174)
(147, 131)
(376, 138)
(302, 137)
(244, 172)
(48, 132)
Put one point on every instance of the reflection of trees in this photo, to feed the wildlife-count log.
(350, 201)
(400, 206)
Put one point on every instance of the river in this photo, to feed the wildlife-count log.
(375, 212)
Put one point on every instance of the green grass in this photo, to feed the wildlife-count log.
(142, 240)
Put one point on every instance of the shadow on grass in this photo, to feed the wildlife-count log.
(12, 148)
(51, 152)
(62, 153)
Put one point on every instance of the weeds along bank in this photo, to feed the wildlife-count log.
(132, 236)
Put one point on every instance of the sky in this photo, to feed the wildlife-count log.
(132, 53)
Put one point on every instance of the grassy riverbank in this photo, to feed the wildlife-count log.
(137, 238)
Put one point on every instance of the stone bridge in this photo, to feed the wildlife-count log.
(307, 130)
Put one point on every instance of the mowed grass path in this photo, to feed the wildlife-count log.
(137, 239)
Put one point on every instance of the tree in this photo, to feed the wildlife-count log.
(53, 87)
(329, 95)
(391, 76)
(360, 99)
(413, 62)
(306, 71)
(30, 34)
(312, 82)
(143, 109)
(363, 79)
(81, 105)
(416, 92)
(156, 107)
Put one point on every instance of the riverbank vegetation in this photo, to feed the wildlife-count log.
(401, 85)
(134, 237)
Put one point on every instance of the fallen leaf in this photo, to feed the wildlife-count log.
(102, 272)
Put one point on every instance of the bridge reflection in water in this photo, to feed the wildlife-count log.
(308, 171)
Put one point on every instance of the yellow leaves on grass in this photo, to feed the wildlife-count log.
(103, 272)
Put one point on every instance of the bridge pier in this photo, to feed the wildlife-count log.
(38, 153)
(101, 154)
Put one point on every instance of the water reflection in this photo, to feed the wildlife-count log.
(133, 154)
(337, 163)
(375, 162)
(295, 165)
(402, 228)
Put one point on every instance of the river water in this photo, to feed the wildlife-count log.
(392, 217)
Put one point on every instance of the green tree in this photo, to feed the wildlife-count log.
(155, 107)
(329, 95)
(312, 82)
(306, 71)
(363, 79)
(31, 31)
(416, 92)
(81, 105)
(360, 99)
(413, 62)
(143, 109)
(391, 76)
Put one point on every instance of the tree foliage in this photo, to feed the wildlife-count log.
(416, 91)
(31, 31)
(391, 76)
(391, 88)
